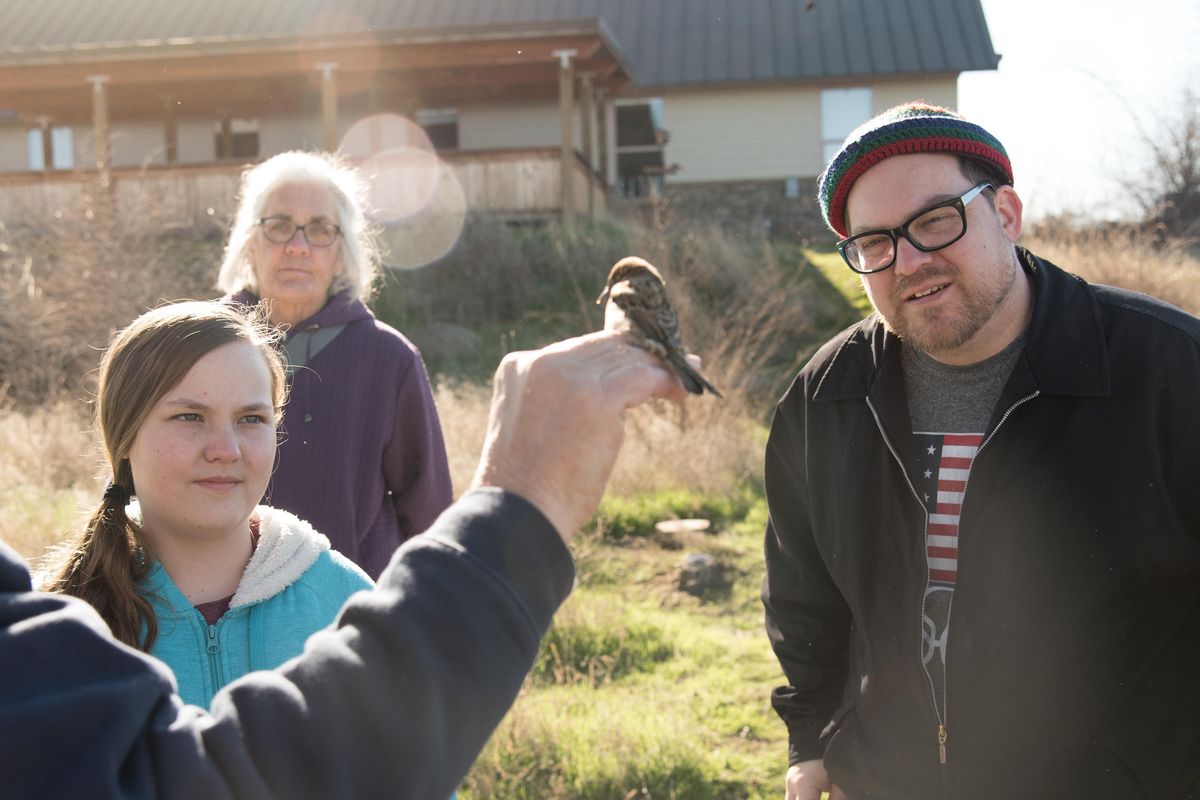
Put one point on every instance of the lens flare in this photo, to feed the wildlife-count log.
(415, 197)
(426, 236)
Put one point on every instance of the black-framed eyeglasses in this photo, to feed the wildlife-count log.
(281, 229)
(931, 229)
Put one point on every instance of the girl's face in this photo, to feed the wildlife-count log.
(203, 456)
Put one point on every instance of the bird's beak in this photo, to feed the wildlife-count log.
(603, 296)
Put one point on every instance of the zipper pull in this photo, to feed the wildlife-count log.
(942, 744)
(214, 648)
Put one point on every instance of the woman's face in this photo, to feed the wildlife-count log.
(203, 456)
(296, 273)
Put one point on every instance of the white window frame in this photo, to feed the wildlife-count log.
(842, 110)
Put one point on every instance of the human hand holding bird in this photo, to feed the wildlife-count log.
(639, 309)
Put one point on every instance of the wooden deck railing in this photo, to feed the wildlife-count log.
(510, 183)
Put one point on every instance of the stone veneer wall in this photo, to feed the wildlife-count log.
(742, 209)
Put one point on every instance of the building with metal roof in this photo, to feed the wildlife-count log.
(736, 100)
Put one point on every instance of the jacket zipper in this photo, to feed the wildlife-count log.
(214, 657)
(943, 714)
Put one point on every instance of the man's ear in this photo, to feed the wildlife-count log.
(1010, 209)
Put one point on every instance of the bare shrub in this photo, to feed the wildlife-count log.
(743, 305)
(1168, 188)
(65, 287)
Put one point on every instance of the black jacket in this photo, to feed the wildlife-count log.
(394, 701)
(1073, 664)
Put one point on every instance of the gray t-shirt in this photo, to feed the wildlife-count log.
(949, 408)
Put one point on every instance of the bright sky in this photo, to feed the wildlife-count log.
(1078, 83)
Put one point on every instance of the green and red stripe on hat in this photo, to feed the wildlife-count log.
(909, 128)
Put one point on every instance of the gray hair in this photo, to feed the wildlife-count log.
(358, 247)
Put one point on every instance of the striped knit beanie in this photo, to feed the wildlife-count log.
(910, 128)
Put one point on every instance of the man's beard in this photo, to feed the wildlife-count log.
(948, 326)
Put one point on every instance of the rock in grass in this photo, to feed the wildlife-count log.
(702, 574)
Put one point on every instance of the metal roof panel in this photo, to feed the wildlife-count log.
(667, 42)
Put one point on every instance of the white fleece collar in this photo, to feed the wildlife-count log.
(287, 546)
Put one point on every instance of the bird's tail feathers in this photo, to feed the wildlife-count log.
(692, 380)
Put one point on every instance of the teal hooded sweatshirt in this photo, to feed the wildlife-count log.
(293, 586)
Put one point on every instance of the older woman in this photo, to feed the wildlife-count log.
(362, 456)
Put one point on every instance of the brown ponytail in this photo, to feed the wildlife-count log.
(104, 565)
(144, 362)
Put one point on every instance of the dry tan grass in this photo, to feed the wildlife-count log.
(1126, 257)
(49, 469)
(48, 466)
(463, 410)
(708, 445)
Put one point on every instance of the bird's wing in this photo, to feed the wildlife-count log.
(649, 324)
(645, 305)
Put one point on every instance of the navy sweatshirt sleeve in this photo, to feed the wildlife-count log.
(395, 700)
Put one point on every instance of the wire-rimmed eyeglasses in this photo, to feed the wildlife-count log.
(930, 229)
(281, 229)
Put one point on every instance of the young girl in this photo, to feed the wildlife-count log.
(194, 571)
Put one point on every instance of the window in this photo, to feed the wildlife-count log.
(441, 126)
(641, 138)
(243, 138)
(62, 148)
(842, 110)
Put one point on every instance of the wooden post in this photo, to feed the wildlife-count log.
(329, 109)
(587, 117)
(611, 166)
(100, 129)
(170, 131)
(602, 137)
(47, 144)
(566, 104)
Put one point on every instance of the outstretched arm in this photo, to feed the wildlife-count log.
(401, 694)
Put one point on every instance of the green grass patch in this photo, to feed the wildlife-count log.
(841, 278)
(643, 691)
(567, 745)
(623, 517)
(597, 642)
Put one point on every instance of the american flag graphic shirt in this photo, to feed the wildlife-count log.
(944, 466)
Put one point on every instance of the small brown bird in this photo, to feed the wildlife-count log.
(638, 308)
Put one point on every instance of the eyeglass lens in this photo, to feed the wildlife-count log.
(929, 230)
(317, 233)
(932, 230)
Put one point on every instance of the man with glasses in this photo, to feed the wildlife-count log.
(983, 553)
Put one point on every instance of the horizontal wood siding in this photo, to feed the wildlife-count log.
(745, 134)
(765, 133)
